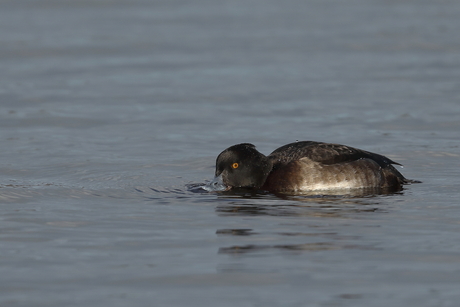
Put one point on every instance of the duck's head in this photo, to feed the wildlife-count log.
(240, 166)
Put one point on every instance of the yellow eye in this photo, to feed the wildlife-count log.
(235, 165)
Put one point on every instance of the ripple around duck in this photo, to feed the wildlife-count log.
(302, 195)
(250, 202)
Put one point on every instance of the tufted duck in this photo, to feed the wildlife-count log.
(304, 166)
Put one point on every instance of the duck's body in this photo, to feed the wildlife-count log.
(305, 166)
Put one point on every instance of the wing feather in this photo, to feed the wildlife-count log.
(325, 153)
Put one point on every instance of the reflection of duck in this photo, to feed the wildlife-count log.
(317, 246)
(304, 166)
(330, 206)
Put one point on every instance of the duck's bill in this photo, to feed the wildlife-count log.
(216, 185)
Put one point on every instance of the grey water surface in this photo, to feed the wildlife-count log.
(112, 112)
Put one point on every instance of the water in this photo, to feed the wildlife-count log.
(110, 110)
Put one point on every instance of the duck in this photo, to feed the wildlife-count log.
(304, 166)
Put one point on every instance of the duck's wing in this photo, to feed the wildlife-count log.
(325, 153)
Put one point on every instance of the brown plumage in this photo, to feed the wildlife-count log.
(306, 166)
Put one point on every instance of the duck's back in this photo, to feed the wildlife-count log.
(307, 166)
